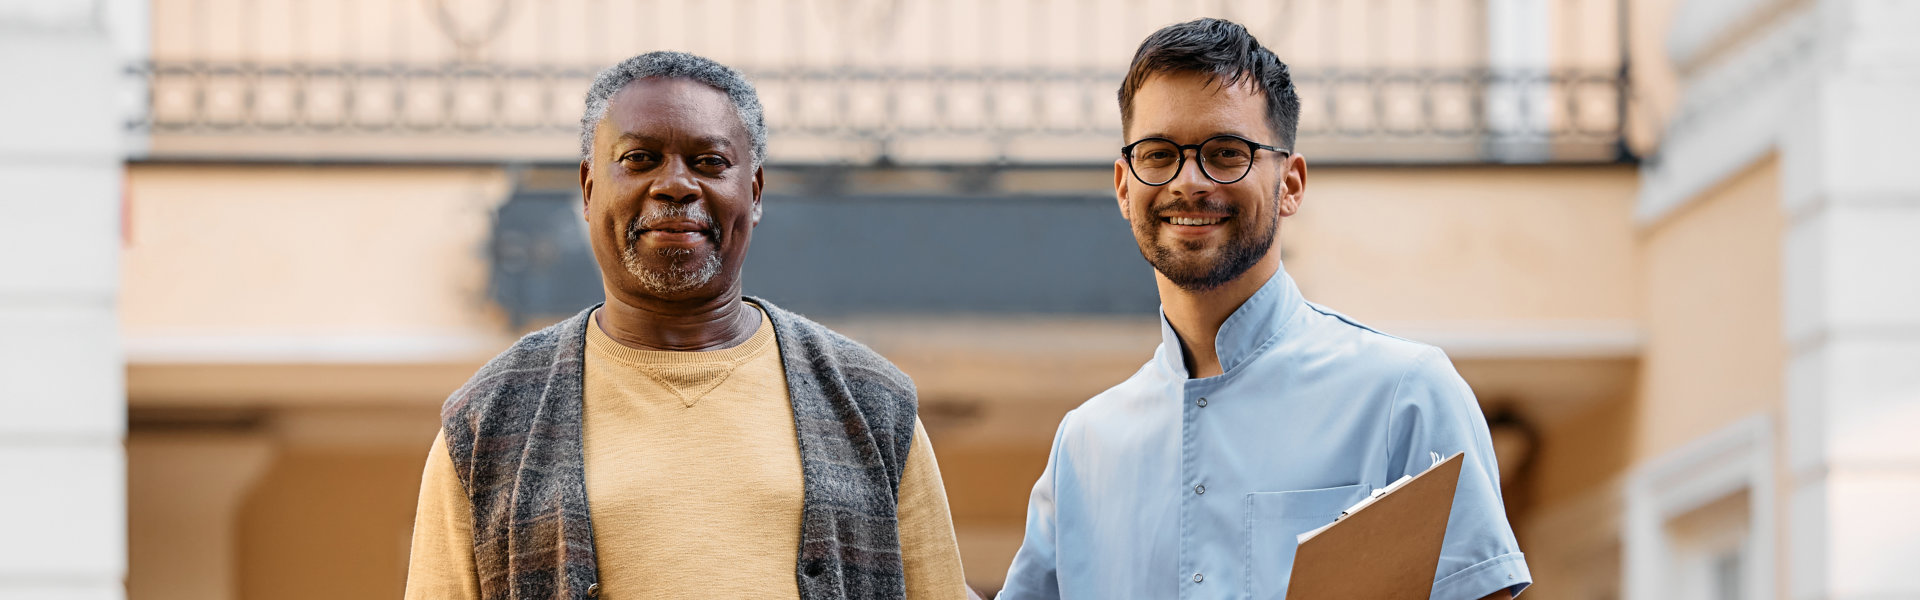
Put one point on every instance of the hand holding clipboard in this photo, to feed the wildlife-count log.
(1385, 547)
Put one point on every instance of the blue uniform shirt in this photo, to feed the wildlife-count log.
(1169, 487)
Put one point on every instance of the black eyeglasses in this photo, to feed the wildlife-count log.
(1223, 158)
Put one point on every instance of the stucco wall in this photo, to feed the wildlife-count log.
(1714, 350)
(310, 251)
(1472, 244)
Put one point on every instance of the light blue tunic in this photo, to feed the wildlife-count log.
(1166, 487)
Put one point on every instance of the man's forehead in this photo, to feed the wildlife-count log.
(1173, 102)
(672, 102)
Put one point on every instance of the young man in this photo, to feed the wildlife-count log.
(681, 440)
(1262, 415)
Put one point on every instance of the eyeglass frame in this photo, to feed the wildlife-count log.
(1253, 146)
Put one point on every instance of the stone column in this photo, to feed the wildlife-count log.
(62, 394)
(188, 489)
(1850, 175)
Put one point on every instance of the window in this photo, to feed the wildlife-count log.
(1700, 519)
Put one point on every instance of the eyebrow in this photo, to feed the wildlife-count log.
(1215, 134)
(712, 141)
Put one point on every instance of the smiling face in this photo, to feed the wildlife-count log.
(671, 192)
(1197, 233)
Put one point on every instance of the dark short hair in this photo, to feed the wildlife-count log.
(1225, 51)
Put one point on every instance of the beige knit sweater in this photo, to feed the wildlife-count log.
(694, 482)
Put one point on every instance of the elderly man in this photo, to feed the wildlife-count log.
(1262, 415)
(681, 440)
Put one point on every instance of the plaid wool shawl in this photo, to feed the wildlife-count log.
(514, 433)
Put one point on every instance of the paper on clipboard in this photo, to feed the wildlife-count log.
(1386, 546)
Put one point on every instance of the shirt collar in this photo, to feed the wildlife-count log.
(1246, 331)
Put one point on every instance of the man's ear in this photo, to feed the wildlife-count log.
(1295, 180)
(1120, 188)
(759, 182)
(586, 186)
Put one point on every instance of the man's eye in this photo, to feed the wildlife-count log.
(1158, 155)
(711, 161)
(638, 158)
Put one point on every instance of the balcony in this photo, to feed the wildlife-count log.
(865, 83)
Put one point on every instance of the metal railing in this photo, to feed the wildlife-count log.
(1396, 107)
(1381, 115)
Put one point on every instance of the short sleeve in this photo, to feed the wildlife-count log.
(1034, 574)
(1435, 414)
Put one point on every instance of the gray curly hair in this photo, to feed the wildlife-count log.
(682, 65)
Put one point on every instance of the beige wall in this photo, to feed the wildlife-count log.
(1585, 454)
(325, 525)
(1654, 84)
(1714, 350)
(1569, 522)
(217, 251)
(291, 332)
(336, 251)
(273, 502)
(185, 489)
(1468, 244)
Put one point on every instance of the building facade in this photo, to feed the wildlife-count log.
(1666, 241)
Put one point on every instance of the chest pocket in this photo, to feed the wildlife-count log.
(1274, 522)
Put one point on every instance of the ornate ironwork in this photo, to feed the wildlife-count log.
(1375, 112)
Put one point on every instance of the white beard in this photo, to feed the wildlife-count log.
(677, 278)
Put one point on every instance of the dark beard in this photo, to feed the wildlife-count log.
(1246, 244)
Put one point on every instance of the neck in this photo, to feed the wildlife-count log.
(1196, 316)
(679, 326)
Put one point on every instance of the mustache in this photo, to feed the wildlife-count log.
(656, 214)
(1188, 205)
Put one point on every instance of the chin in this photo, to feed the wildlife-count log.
(677, 281)
(672, 274)
(1191, 260)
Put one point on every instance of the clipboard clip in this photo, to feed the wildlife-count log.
(1371, 497)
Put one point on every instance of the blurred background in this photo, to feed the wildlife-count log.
(247, 247)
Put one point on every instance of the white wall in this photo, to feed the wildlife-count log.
(1830, 85)
(1852, 304)
(62, 404)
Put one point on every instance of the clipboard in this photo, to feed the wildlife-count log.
(1387, 546)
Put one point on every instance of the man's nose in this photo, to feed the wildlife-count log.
(1191, 181)
(675, 183)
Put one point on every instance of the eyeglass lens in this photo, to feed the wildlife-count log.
(1225, 159)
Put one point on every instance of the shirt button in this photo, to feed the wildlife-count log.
(1202, 402)
(593, 590)
(1200, 489)
(1197, 577)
